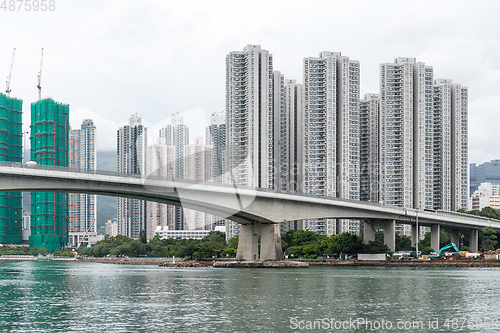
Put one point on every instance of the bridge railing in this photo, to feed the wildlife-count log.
(465, 216)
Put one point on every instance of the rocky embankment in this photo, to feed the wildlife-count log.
(164, 262)
(261, 264)
(407, 263)
(126, 261)
(187, 263)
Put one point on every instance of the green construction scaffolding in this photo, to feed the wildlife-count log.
(11, 150)
(49, 146)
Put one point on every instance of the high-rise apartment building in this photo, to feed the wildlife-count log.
(331, 137)
(460, 146)
(82, 224)
(369, 108)
(423, 138)
(10, 151)
(288, 132)
(281, 133)
(49, 146)
(406, 142)
(131, 154)
(249, 117)
(442, 144)
(161, 162)
(288, 139)
(111, 228)
(177, 134)
(198, 163)
(215, 135)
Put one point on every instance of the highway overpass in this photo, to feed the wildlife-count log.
(257, 210)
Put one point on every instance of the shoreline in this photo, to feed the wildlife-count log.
(36, 259)
(232, 263)
(406, 263)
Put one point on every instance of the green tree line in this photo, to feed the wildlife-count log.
(32, 251)
(212, 245)
(298, 244)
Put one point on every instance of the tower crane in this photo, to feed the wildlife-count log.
(39, 86)
(8, 90)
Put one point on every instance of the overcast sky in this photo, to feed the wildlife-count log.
(111, 59)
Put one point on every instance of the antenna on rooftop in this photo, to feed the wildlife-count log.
(39, 86)
(8, 90)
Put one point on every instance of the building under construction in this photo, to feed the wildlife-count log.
(49, 146)
(10, 151)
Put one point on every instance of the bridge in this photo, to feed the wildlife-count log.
(259, 211)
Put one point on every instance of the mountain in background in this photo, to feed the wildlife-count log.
(107, 161)
(106, 206)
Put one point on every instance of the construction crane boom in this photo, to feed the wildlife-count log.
(39, 86)
(8, 90)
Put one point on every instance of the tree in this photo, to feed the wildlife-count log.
(376, 246)
(444, 239)
(292, 250)
(303, 237)
(426, 250)
(156, 239)
(488, 238)
(287, 240)
(346, 243)
(142, 237)
(426, 241)
(403, 243)
(233, 242)
(217, 237)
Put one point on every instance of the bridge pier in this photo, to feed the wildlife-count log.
(414, 235)
(270, 242)
(369, 231)
(435, 229)
(248, 248)
(390, 234)
(455, 238)
(474, 240)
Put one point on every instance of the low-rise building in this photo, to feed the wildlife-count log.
(166, 233)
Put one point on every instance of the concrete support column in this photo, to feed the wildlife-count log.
(270, 242)
(455, 238)
(435, 229)
(414, 235)
(390, 234)
(368, 232)
(474, 240)
(339, 226)
(248, 244)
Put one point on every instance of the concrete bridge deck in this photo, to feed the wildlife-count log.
(256, 209)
